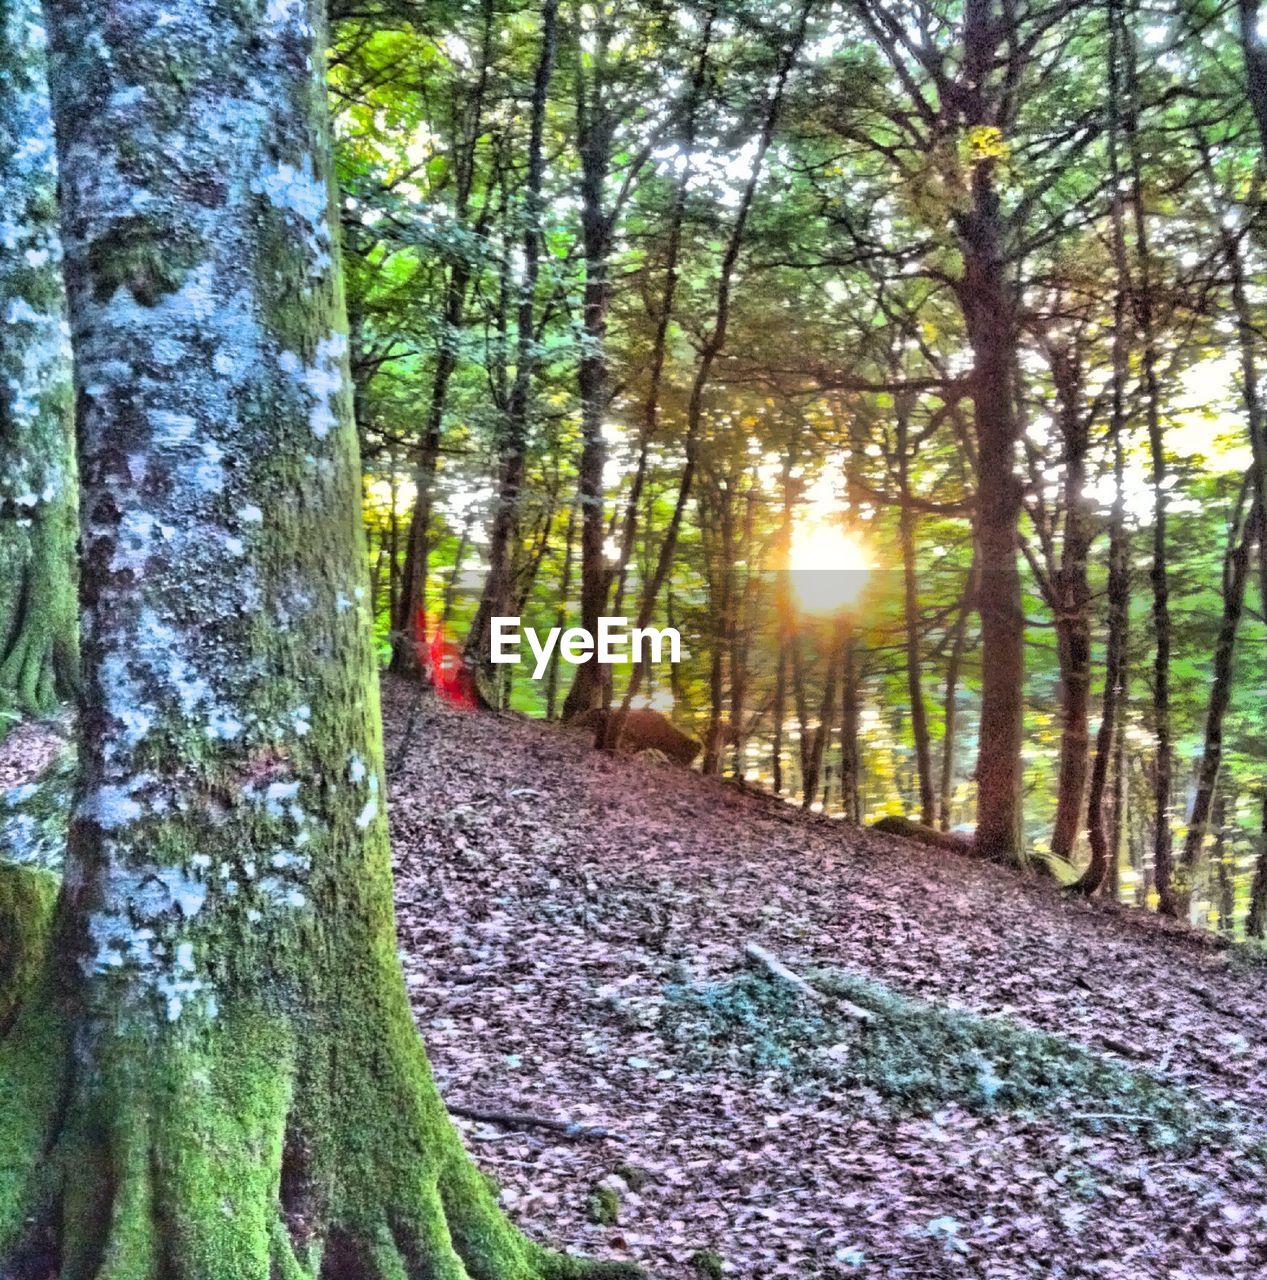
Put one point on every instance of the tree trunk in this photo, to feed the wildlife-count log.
(991, 330)
(850, 761)
(513, 449)
(560, 616)
(778, 714)
(739, 639)
(1256, 922)
(409, 621)
(595, 125)
(1120, 814)
(219, 1077)
(1106, 849)
(914, 683)
(1235, 572)
(1224, 864)
(1247, 336)
(1071, 592)
(986, 299)
(826, 714)
(951, 716)
(39, 657)
(1104, 853)
(1163, 770)
(1254, 51)
(784, 621)
(716, 511)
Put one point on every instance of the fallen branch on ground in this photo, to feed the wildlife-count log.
(525, 1120)
(776, 968)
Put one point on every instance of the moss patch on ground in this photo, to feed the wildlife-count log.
(916, 1057)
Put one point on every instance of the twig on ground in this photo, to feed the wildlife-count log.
(525, 1120)
(773, 965)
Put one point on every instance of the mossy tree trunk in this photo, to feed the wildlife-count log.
(217, 1075)
(38, 630)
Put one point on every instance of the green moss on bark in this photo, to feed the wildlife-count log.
(38, 614)
(27, 898)
(33, 1065)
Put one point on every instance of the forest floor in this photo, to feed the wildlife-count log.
(998, 1081)
(987, 1079)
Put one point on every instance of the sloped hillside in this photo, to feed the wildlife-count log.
(985, 1078)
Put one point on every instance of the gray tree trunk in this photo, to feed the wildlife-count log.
(218, 1076)
(38, 617)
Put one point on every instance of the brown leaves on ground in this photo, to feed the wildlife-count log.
(548, 894)
(28, 749)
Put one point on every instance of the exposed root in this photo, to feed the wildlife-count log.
(39, 669)
(34, 1060)
(185, 1155)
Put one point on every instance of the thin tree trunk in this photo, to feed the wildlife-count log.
(800, 697)
(1120, 814)
(595, 126)
(784, 620)
(560, 617)
(738, 640)
(951, 714)
(1256, 922)
(914, 683)
(850, 759)
(1235, 572)
(1224, 864)
(1109, 742)
(513, 446)
(450, 587)
(1254, 51)
(777, 714)
(718, 512)
(826, 715)
(409, 621)
(1248, 339)
(393, 549)
(1071, 594)
(1163, 771)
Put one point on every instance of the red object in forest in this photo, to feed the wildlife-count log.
(451, 678)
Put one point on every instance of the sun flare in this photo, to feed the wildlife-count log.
(829, 566)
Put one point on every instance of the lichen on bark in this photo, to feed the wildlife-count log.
(38, 649)
(216, 1074)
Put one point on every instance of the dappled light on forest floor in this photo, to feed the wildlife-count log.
(998, 1081)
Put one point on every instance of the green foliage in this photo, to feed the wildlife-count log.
(603, 1206)
(847, 315)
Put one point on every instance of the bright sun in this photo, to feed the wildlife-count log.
(829, 566)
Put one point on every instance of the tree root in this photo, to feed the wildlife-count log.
(39, 669)
(200, 1155)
